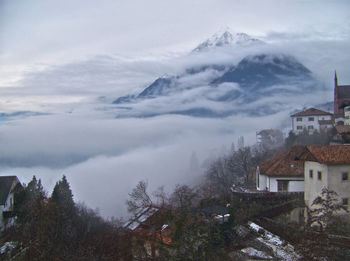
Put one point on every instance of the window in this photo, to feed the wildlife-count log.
(319, 175)
(345, 201)
(282, 185)
(311, 118)
(311, 173)
(299, 127)
(345, 176)
(310, 127)
(299, 119)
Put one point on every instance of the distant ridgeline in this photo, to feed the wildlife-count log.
(219, 90)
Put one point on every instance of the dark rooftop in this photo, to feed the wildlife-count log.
(5, 187)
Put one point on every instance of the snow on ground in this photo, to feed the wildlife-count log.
(7, 246)
(252, 252)
(281, 249)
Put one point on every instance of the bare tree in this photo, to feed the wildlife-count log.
(162, 198)
(139, 198)
(219, 177)
(240, 164)
(183, 196)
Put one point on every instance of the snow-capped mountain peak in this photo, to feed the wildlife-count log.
(226, 38)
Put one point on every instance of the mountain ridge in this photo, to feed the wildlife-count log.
(222, 89)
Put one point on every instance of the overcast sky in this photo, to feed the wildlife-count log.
(34, 34)
(69, 59)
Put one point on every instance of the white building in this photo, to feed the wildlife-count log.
(327, 166)
(8, 185)
(284, 173)
(311, 120)
(347, 115)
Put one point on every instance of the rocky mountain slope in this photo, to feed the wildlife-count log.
(217, 90)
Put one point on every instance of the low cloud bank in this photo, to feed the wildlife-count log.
(112, 155)
(104, 157)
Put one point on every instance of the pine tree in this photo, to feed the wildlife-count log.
(66, 229)
(62, 195)
(26, 198)
(325, 207)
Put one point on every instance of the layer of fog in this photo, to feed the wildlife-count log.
(104, 157)
(117, 153)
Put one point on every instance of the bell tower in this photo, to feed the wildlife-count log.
(336, 105)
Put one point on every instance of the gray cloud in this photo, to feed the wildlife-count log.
(71, 59)
(119, 153)
(105, 157)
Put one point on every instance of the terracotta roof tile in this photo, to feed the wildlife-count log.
(331, 155)
(285, 164)
(311, 112)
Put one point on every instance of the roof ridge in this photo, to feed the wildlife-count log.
(311, 111)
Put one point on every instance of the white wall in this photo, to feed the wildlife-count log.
(331, 178)
(305, 123)
(8, 205)
(261, 180)
(313, 186)
(336, 183)
(347, 115)
(295, 184)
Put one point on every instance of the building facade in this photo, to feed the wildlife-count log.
(327, 167)
(8, 186)
(311, 120)
(284, 173)
(347, 115)
(341, 100)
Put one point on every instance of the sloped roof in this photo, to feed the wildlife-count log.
(330, 155)
(149, 222)
(311, 112)
(343, 129)
(287, 163)
(6, 183)
(343, 91)
(140, 217)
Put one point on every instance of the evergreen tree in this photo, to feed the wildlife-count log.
(325, 207)
(67, 236)
(26, 198)
(62, 195)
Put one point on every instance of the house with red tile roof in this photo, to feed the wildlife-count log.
(284, 173)
(311, 120)
(327, 166)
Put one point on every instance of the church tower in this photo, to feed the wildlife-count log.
(336, 105)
